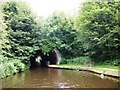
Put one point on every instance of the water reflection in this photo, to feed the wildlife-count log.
(57, 78)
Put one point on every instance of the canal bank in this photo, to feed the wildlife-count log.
(101, 71)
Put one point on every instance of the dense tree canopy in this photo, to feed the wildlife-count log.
(61, 32)
(98, 29)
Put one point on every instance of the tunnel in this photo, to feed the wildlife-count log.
(39, 59)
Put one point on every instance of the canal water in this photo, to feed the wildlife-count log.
(57, 78)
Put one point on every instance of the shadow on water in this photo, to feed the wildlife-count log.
(57, 78)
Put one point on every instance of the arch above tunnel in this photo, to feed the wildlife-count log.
(52, 58)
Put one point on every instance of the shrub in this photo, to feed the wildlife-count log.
(11, 67)
(2, 71)
(19, 65)
(78, 60)
(114, 62)
(63, 61)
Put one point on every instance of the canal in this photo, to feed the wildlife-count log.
(57, 78)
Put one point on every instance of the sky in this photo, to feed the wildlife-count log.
(45, 8)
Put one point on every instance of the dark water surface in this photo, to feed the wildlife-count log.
(57, 78)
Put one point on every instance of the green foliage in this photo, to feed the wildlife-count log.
(98, 33)
(14, 27)
(92, 36)
(76, 61)
(2, 71)
(22, 30)
(98, 29)
(4, 43)
(113, 62)
(87, 61)
(11, 67)
(63, 61)
(61, 33)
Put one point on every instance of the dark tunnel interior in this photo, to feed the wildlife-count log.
(49, 59)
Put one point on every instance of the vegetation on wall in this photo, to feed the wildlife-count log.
(92, 36)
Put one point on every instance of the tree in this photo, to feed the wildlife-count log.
(4, 42)
(21, 26)
(62, 34)
(98, 29)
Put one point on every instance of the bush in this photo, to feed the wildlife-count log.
(63, 61)
(114, 62)
(2, 72)
(78, 60)
(11, 67)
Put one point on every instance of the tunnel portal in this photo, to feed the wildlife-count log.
(41, 60)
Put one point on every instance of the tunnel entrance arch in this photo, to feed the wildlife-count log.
(41, 59)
